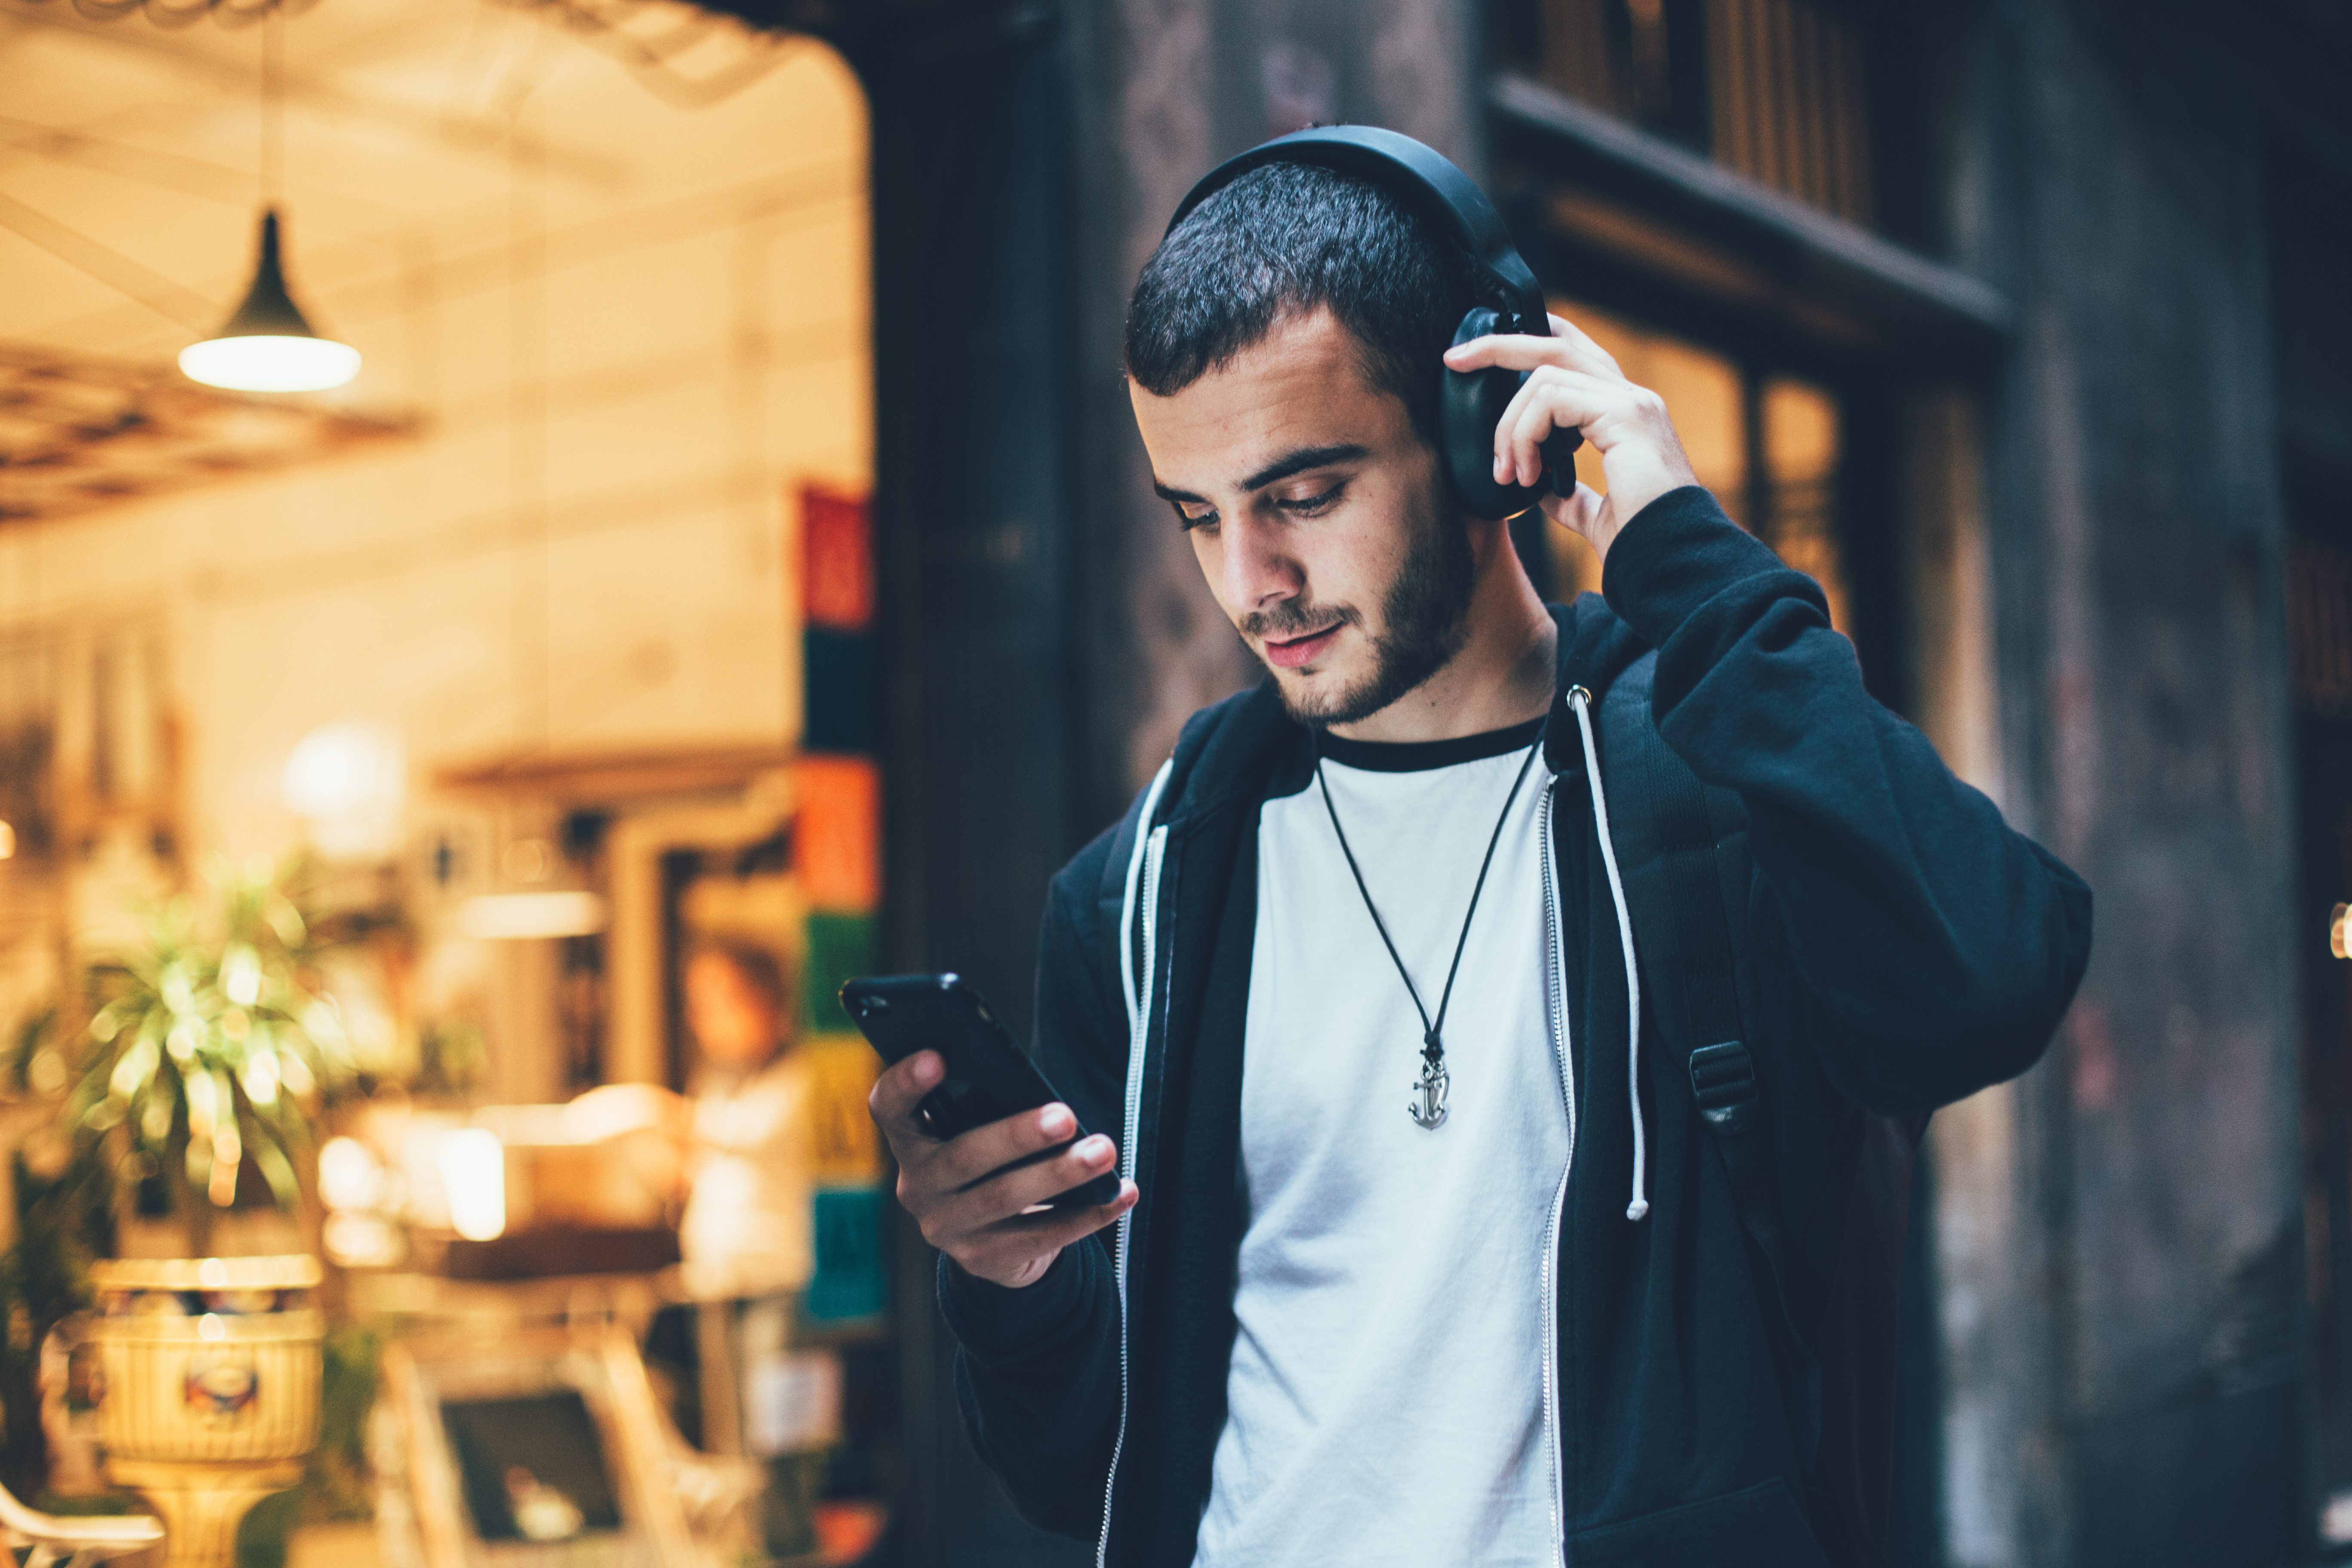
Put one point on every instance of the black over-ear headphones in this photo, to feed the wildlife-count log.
(1472, 404)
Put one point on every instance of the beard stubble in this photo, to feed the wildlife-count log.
(1424, 620)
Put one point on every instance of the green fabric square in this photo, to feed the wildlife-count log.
(840, 948)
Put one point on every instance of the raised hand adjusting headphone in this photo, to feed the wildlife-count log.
(1470, 404)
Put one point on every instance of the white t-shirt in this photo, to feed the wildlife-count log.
(1385, 1404)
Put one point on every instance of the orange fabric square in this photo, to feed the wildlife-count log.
(837, 841)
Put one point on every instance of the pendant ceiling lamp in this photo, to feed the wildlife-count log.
(268, 345)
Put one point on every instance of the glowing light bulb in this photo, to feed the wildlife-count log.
(349, 1175)
(474, 1177)
(269, 363)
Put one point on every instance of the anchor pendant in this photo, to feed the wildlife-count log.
(1428, 1107)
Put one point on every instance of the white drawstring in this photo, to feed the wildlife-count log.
(1581, 701)
(1134, 1001)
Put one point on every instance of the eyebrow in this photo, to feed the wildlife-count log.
(1282, 467)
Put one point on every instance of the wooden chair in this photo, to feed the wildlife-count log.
(58, 1542)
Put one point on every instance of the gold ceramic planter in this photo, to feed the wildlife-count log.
(212, 1373)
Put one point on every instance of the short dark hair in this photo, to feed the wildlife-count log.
(1285, 240)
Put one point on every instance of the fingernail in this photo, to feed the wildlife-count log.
(926, 1066)
(1056, 1122)
(1094, 1149)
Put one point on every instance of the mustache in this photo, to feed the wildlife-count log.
(1295, 617)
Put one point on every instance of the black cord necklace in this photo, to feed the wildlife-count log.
(1428, 1107)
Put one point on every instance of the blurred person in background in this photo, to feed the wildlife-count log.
(1451, 1231)
(737, 1147)
(746, 1230)
(738, 1150)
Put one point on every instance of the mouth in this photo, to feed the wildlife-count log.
(1296, 652)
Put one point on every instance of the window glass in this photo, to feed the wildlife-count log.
(1701, 389)
(1801, 453)
(1722, 414)
(1779, 90)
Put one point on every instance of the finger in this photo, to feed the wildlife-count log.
(900, 1089)
(1515, 351)
(1573, 396)
(1526, 435)
(1530, 392)
(1576, 337)
(1063, 1226)
(997, 1199)
(1552, 399)
(1570, 401)
(970, 1157)
(1006, 1250)
(1581, 512)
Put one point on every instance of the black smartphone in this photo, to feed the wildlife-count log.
(989, 1078)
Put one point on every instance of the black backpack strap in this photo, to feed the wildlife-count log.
(1682, 849)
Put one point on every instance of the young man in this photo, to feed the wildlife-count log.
(1429, 1257)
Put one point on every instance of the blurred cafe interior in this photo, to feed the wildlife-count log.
(408, 757)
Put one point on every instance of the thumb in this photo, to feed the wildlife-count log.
(1581, 512)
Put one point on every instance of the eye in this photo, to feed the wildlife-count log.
(1308, 506)
(1206, 517)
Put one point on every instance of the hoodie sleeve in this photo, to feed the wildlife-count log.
(1937, 949)
(1037, 1368)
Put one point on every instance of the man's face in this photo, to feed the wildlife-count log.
(1318, 517)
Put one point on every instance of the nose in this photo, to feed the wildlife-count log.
(1257, 571)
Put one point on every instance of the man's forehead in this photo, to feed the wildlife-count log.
(1302, 386)
(1311, 345)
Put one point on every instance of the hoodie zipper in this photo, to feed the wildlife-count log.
(1147, 909)
(1564, 1052)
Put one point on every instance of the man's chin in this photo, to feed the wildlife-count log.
(1353, 683)
(1321, 697)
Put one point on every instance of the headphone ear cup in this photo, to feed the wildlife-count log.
(1470, 407)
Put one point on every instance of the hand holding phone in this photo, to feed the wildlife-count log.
(994, 1168)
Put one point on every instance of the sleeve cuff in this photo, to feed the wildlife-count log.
(1672, 556)
(997, 1323)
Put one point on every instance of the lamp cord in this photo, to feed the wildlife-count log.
(273, 106)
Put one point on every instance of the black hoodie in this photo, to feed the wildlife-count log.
(1912, 950)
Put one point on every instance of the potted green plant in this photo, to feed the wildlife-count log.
(58, 1217)
(209, 1056)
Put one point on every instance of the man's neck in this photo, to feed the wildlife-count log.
(1505, 672)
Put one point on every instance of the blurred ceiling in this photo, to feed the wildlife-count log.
(77, 432)
(415, 171)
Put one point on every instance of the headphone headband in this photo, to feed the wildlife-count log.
(1471, 402)
(1418, 173)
